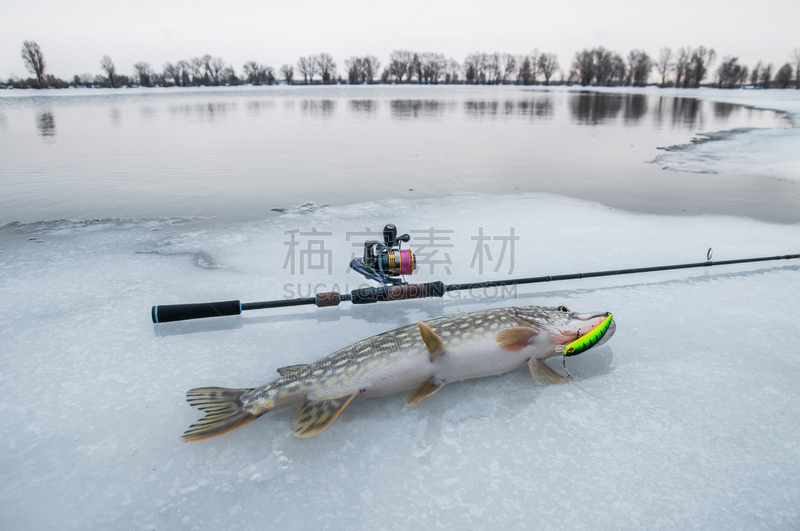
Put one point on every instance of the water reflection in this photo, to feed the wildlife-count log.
(148, 112)
(686, 112)
(541, 107)
(594, 108)
(724, 110)
(46, 124)
(255, 107)
(405, 109)
(635, 107)
(318, 108)
(364, 107)
(115, 116)
(210, 111)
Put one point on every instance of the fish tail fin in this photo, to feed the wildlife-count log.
(223, 408)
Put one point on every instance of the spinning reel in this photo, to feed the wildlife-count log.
(385, 262)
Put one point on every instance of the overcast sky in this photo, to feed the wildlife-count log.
(75, 34)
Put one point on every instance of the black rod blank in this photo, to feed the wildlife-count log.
(182, 312)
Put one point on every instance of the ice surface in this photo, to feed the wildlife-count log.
(687, 418)
(759, 151)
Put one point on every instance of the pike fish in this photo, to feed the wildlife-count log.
(422, 357)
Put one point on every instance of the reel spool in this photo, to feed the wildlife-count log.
(384, 261)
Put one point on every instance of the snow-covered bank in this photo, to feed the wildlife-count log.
(686, 418)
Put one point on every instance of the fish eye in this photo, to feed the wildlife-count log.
(563, 309)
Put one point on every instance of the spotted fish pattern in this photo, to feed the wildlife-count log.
(422, 357)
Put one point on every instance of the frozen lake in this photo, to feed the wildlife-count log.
(235, 153)
(686, 418)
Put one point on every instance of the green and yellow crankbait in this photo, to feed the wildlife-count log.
(586, 341)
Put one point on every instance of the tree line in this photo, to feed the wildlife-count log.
(685, 68)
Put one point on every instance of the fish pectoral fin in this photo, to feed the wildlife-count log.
(432, 341)
(515, 338)
(316, 415)
(425, 389)
(543, 374)
(289, 369)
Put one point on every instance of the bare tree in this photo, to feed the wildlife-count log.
(796, 59)
(756, 74)
(699, 62)
(620, 74)
(144, 71)
(362, 69)
(430, 67)
(525, 71)
(766, 76)
(730, 73)
(400, 63)
(584, 67)
(452, 71)
(308, 67)
(111, 71)
(472, 68)
(682, 66)
(355, 70)
(640, 66)
(548, 64)
(34, 61)
(604, 65)
(258, 74)
(664, 63)
(288, 74)
(371, 67)
(326, 66)
(171, 71)
(783, 77)
(198, 68)
(214, 67)
(185, 72)
(508, 65)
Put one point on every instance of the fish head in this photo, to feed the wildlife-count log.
(560, 325)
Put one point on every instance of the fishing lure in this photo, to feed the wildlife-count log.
(586, 341)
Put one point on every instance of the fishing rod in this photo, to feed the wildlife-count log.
(384, 263)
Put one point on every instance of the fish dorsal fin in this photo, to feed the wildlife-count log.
(316, 415)
(515, 338)
(432, 341)
(289, 369)
(543, 374)
(425, 389)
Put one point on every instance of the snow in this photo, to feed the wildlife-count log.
(686, 418)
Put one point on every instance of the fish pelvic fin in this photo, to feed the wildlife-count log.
(543, 374)
(432, 341)
(316, 415)
(425, 389)
(289, 369)
(224, 412)
(515, 338)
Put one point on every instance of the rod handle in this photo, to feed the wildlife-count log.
(168, 313)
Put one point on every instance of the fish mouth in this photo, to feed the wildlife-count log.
(582, 323)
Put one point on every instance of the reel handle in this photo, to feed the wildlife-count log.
(168, 313)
